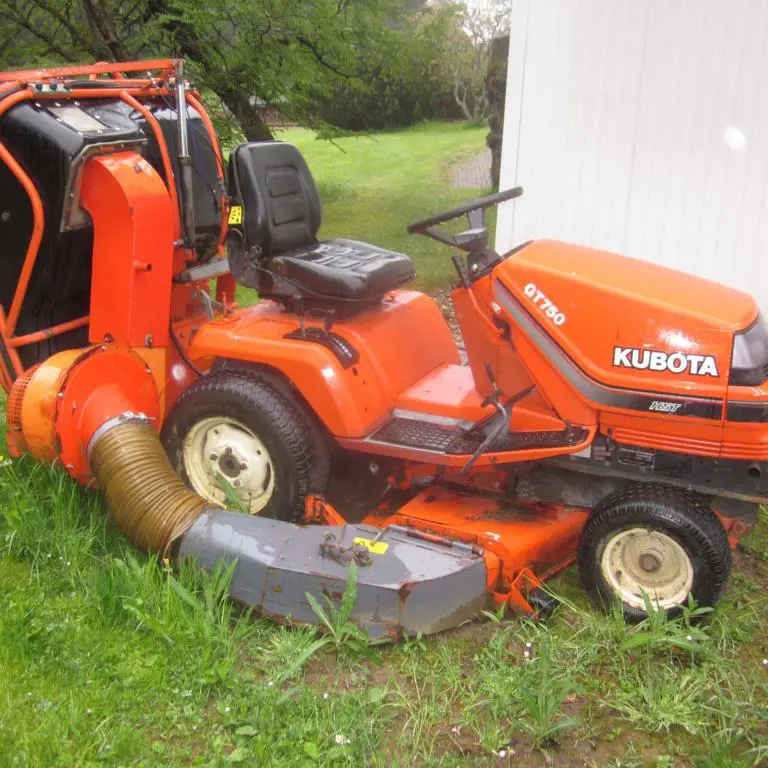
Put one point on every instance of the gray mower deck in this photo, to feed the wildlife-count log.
(411, 586)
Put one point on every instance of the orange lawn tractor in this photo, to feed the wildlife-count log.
(603, 409)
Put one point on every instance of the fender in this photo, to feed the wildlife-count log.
(396, 343)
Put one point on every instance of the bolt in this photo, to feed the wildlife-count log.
(374, 468)
(236, 483)
(60, 395)
(243, 466)
(148, 340)
(108, 338)
(214, 456)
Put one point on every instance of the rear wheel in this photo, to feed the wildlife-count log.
(656, 542)
(230, 433)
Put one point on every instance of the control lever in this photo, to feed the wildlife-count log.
(502, 414)
(493, 397)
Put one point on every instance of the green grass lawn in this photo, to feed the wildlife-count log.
(107, 658)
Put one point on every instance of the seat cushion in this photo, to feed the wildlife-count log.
(281, 206)
(345, 269)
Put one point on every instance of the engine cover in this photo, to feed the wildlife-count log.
(626, 323)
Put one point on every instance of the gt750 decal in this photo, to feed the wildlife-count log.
(656, 360)
(544, 304)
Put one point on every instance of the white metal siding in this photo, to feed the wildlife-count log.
(641, 126)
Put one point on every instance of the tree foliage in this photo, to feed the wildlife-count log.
(467, 50)
(311, 59)
(405, 81)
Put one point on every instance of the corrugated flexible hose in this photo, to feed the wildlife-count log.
(278, 563)
(149, 501)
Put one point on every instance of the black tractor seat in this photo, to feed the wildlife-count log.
(345, 269)
(272, 240)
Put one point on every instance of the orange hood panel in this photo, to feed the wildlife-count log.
(627, 323)
(640, 281)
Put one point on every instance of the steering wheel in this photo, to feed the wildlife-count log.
(475, 205)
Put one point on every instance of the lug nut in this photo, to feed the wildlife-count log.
(214, 456)
(243, 466)
(227, 450)
(236, 483)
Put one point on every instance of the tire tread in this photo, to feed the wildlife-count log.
(664, 507)
(293, 424)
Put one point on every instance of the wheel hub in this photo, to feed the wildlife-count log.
(220, 451)
(230, 464)
(650, 562)
(639, 561)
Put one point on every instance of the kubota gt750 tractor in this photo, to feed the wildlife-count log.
(605, 410)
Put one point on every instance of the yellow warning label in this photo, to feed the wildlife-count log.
(236, 215)
(379, 548)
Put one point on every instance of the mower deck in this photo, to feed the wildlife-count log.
(523, 543)
(405, 585)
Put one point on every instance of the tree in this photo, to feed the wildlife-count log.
(496, 91)
(405, 79)
(288, 53)
(468, 52)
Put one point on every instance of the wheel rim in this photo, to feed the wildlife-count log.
(220, 447)
(641, 560)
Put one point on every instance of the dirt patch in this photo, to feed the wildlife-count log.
(751, 566)
(442, 298)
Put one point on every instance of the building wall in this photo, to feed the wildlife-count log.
(641, 126)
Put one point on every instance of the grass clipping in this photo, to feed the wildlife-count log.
(148, 499)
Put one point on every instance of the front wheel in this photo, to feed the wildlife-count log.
(656, 543)
(231, 433)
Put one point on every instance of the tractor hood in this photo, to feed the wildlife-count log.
(623, 322)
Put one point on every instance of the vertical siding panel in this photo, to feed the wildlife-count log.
(621, 131)
(751, 250)
(513, 115)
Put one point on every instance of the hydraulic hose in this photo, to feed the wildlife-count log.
(149, 501)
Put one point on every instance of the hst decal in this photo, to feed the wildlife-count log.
(544, 304)
(660, 406)
(655, 360)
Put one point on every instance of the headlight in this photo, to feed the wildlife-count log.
(749, 364)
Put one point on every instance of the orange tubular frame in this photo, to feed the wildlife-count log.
(214, 139)
(102, 68)
(129, 89)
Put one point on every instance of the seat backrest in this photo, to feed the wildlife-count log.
(281, 206)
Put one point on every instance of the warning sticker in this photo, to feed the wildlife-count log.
(379, 548)
(236, 215)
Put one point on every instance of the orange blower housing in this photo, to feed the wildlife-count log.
(116, 296)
